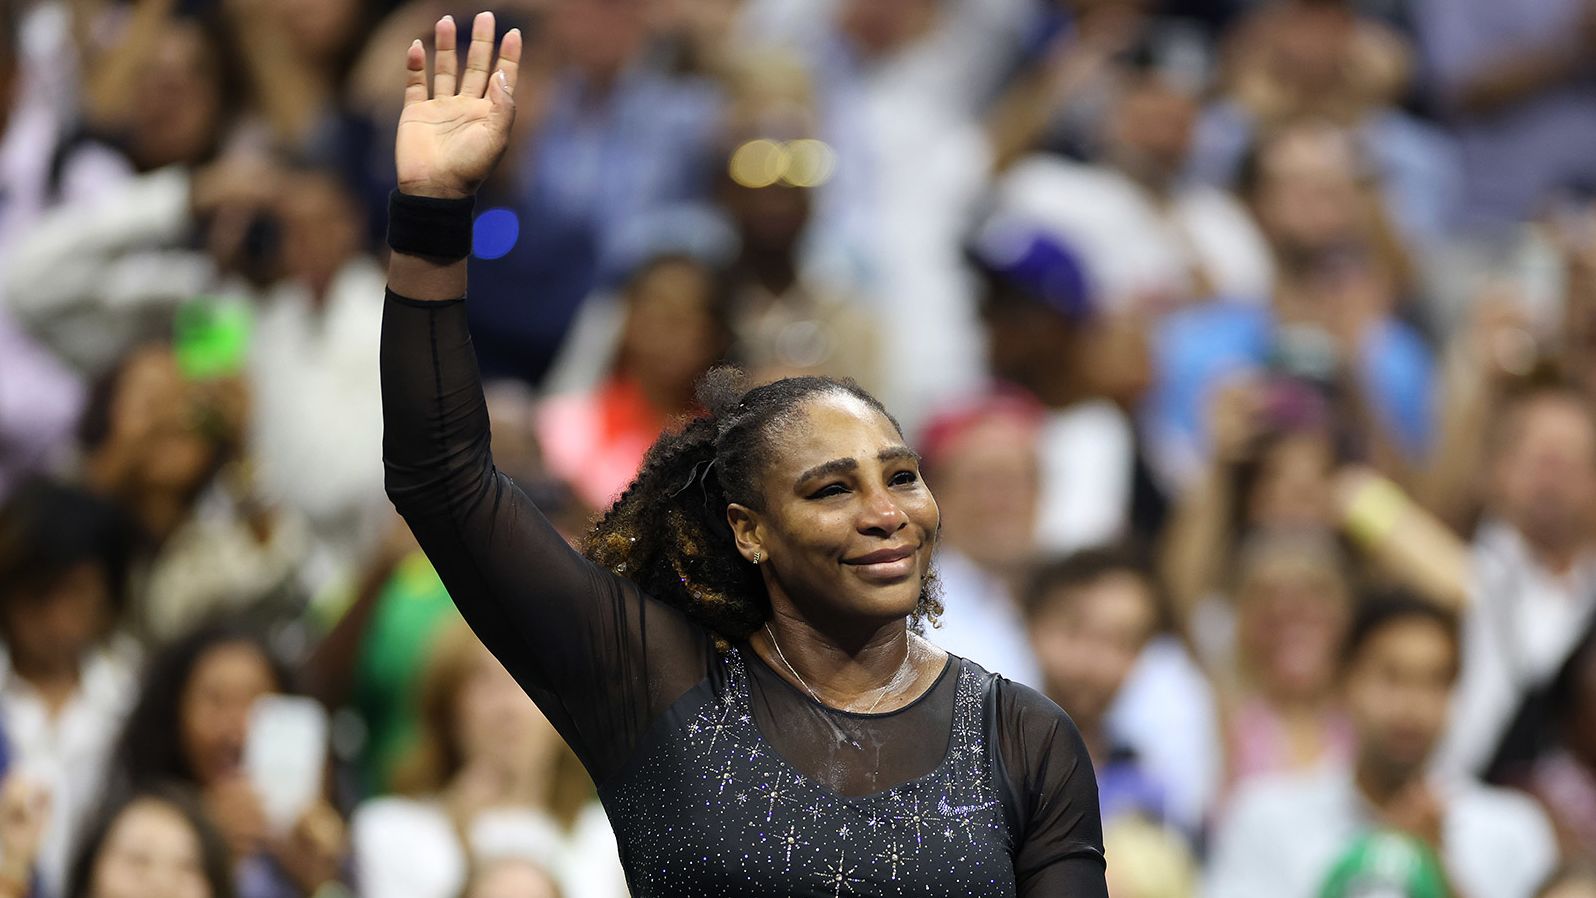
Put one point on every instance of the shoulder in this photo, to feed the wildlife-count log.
(1032, 734)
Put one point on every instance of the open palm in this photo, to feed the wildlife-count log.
(451, 137)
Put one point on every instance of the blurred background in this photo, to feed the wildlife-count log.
(1244, 340)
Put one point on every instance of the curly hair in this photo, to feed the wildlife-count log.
(668, 533)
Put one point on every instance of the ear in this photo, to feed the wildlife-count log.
(747, 529)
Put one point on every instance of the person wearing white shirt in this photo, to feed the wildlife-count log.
(1535, 568)
(64, 686)
(1282, 837)
(982, 455)
(1148, 237)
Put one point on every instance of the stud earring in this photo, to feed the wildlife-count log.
(758, 555)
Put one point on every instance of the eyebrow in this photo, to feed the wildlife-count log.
(843, 465)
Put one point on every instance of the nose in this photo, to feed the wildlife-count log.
(880, 514)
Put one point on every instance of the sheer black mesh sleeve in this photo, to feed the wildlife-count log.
(599, 658)
(1052, 797)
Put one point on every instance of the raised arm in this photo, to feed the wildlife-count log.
(571, 633)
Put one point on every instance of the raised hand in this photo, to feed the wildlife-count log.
(448, 144)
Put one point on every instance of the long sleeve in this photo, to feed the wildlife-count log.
(599, 658)
(85, 274)
(1046, 769)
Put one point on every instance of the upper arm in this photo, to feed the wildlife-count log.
(1048, 776)
(598, 657)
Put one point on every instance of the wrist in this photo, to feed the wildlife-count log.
(435, 191)
(432, 227)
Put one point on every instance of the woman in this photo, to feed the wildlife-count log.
(488, 773)
(735, 665)
(191, 725)
(1292, 608)
(155, 844)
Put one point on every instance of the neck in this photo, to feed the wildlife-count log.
(1381, 783)
(55, 684)
(843, 672)
(774, 270)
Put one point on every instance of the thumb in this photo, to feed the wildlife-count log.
(503, 103)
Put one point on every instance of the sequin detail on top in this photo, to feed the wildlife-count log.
(711, 811)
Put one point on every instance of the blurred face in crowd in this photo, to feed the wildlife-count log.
(769, 220)
(495, 721)
(1292, 487)
(988, 481)
(1398, 689)
(881, 27)
(1307, 198)
(1292, 610)
(670, 337)
(151, 851)
(1061, 362)
(1545, 471)
(319, 29)
(1150, 130)
(215, 708)
(1087, 639)
(157, 413)
(321, 229)
(514, 878)
(599, 38)
(49, 632)
(177, 108)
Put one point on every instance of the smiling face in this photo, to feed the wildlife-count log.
(846, 527)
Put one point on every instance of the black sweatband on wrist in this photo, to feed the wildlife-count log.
(430, 226)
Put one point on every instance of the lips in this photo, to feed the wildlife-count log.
(884, 565)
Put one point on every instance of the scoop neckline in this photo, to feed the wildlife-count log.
(747, 649)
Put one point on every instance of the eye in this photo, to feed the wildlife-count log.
(904, 478)
(829, 490)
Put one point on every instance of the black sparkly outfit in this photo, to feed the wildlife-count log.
(720, 777)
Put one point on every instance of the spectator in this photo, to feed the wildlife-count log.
(1160, 708)
(614, 139)
(1277, 680)
(190, 726)
(1331, 321)
(157, 843)
(982, 460)
(1148, 237)
(1283, 835)
(1090, 615)
(102, 270)
(1088, 365)
(1305, 59)
(1534, 581)
(1515, 86)
(1564, 776)
(65, 684)
(154, 441)
(488, 774)
(676, 327)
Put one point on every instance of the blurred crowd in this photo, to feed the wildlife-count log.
(1249, 345)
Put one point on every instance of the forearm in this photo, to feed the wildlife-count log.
(1198, 538)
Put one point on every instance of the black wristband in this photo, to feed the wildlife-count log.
(430, 226)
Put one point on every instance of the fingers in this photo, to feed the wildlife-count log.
(447, 66)
(416, 74)
(510, 59)
(479, 58)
